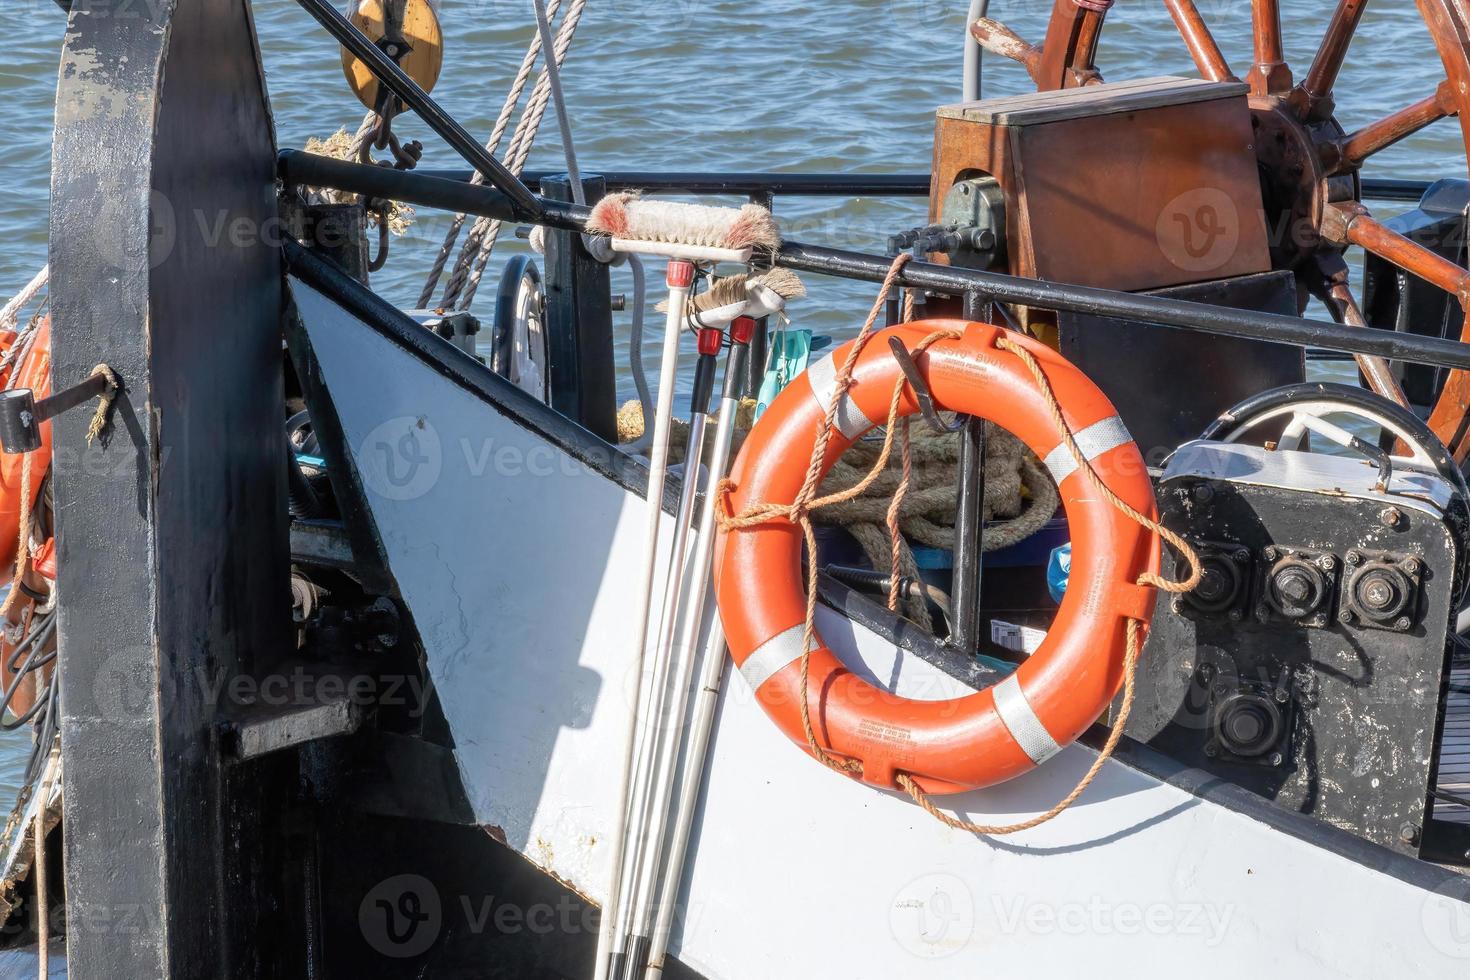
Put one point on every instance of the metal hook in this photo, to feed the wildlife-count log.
(921, 389)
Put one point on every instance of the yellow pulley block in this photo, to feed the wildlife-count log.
(417, 27)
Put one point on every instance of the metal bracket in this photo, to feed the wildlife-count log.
(264, 731)
(921, 389)
(21, 415)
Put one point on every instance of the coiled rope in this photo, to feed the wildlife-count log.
(799, 512)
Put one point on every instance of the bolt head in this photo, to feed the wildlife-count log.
(1177, 604)
(1391, 517)
(1346, 616)
(1355, 558)
(1276, 759)
(1204, 493)
(1241, 556)
(1212, 750)
(1411, 566)
(1271, 553)
(1403, 623)
(1327, 563)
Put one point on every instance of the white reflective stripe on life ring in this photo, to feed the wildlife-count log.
(850, 420)
(1102, 437)
(772, 657)
(1021, 721)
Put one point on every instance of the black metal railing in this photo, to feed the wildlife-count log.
(432, 191)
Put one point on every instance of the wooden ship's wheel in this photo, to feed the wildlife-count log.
(1309, 164)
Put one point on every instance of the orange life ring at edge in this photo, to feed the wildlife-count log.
(33, 371)
(1055, 695)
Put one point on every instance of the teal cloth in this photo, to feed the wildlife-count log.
(790, 352)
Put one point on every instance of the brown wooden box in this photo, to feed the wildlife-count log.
(1132, 185)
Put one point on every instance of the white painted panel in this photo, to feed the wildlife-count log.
(520, 569)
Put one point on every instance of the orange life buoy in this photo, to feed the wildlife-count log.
(1052, 698)
(33, 370)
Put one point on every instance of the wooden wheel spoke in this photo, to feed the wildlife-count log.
(1451, 417)
(1351, 224)
(1201, 43)
(1322, 76)
(1070, 46)
(1269, 75)
(1337, 295)
(1357, 147)
(999, 39)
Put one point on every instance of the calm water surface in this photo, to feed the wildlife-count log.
(714, 85)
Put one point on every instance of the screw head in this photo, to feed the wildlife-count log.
(1403, 623)
(1276, 759)
(1212, 750)
(1409, 833)
(1355, 558)
(1327, 563)
(1391, 517)
(1410, 566)
(1271, 553)
(1177, 605)
(1346, 616)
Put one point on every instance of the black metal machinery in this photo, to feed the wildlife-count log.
(1310, 664)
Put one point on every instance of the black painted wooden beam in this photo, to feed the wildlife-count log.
(172, 531)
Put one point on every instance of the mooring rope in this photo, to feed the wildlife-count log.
(10, 315)
(43, 921)
(799, 512)
(465, 279)
(502, 123)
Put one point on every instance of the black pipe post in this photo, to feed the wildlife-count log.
(172, 534)
(759, 353)
(579, 323)
(969, 523)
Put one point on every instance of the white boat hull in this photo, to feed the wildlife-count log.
(520, 564)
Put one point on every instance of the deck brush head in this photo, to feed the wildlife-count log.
(630, 217)
(730, 290)
(783, 282)
(721, 293)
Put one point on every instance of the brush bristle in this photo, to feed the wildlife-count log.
(732, 289)
(628, 216)
(722, 292)
(783, 282)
